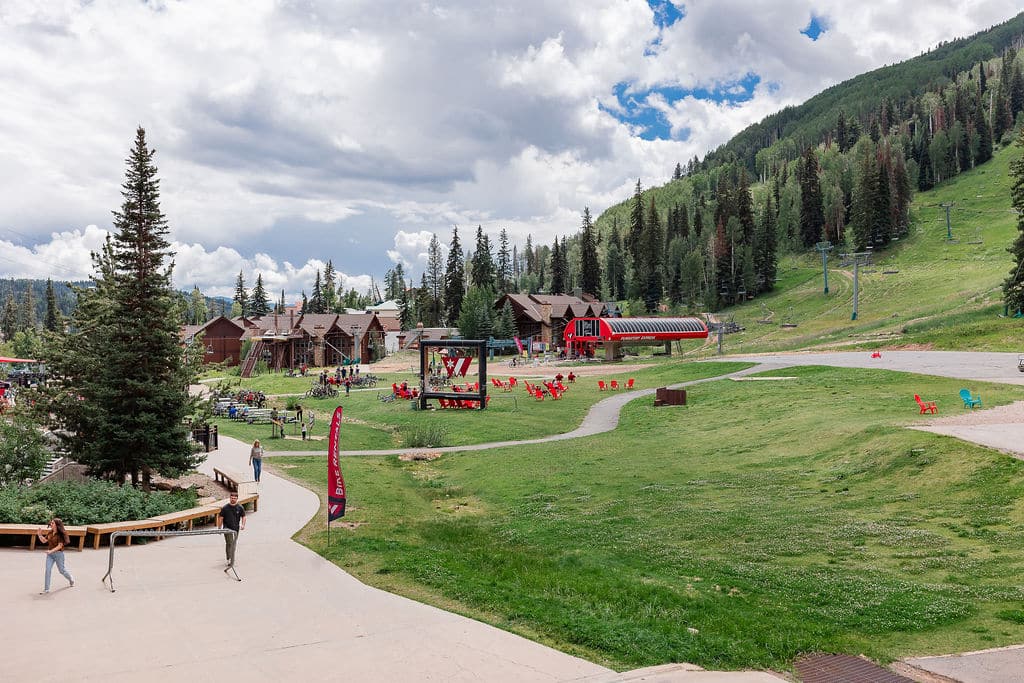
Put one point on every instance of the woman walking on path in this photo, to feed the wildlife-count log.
(256, 459)
(55, 537)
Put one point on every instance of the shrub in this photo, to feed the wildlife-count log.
(424, 436)
(90, 502)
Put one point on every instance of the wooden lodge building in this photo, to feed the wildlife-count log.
(289, 340)
(544, 316)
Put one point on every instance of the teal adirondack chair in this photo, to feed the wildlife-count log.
(969, 400)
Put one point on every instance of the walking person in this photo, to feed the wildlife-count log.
(256, 459)
(55, 537)
(231, 516)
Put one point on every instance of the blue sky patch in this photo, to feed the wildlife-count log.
(634, 109)
(666, 12)
(815, 27)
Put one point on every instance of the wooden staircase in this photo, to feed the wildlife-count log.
(249, 364)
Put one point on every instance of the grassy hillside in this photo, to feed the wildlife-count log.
(944, 294)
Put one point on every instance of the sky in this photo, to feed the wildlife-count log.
(292, 132)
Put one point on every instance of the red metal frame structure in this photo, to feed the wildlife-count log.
(582, 335)
(481, 355)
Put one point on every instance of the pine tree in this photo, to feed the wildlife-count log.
(590, 267)
(197, 310)
(53, 317)
(615, 268)
(316, 300)
(678, 173)
(984, 133)
(649, 273)
(330, 294)
(482, 263)
(27, 311)
(424, 303)
(405, 316)
(557, 269)
(505, 326)
(636, 227)
(454, 279)
(260, 303)
(1013, 287)
(476, 321)
(241, 295)
(812, 211)
(504, 272)
(766, 244)
(841, 131)
(435, 283)
(130, 375)
(9, 319)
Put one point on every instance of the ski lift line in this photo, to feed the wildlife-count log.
(70, 272)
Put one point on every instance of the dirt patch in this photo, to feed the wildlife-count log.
(912, 347)
(205, 486)
(1008, 414)
(420, 455)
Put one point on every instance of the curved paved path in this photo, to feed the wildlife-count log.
(295, 616)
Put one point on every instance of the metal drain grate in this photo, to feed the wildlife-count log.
(825, 668)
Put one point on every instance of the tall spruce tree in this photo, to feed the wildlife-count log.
(436, 282)
(260, 302)
(615, 268)
(27, 311)
(504, 266)
(316, 300)
(330, 293)
(9, 319)
(242, 296)
(454, 279)
(557, 269)
(52, 323)
(636, 227)
(130, 377)
(651, 257)
(765, 247)
(984, 133)
(482, 263)
(1013, 286)
(812, 211)
(590, 266)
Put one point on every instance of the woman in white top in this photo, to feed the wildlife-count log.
(256, 459)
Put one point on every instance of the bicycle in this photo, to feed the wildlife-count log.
(385, 398)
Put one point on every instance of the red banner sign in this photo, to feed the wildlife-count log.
(456, 365)
(335, 482)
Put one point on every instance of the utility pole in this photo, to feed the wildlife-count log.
(949, 232)
(824, 247)
(857, 259)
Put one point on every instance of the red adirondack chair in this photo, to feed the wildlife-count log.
(538, 393)
(629, 384)
(600, 385)
(926, 406)
(615, 385)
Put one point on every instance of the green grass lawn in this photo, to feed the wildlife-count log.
(773, 518)
(369, 423)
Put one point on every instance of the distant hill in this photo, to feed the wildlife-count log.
(841, 167)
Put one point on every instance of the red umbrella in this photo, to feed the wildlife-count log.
(17, 360)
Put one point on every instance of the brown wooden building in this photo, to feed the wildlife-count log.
(544, 316)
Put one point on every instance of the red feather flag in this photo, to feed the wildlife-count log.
(335, 482)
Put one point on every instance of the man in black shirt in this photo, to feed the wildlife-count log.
(232, 516)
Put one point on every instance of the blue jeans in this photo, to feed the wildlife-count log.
(56, 558)
(257, 467)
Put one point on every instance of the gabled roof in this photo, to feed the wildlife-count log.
(310, 321)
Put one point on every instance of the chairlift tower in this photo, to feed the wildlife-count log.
(949, 231)
(824, 247)
(857, 259)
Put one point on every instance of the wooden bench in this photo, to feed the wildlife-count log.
(100, 530)
(243, 499)
(32, 529)
(230, 478)
(187, 516)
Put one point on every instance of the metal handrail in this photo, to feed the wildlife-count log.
(161, 534)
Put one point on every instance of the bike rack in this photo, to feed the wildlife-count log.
(161, 534)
